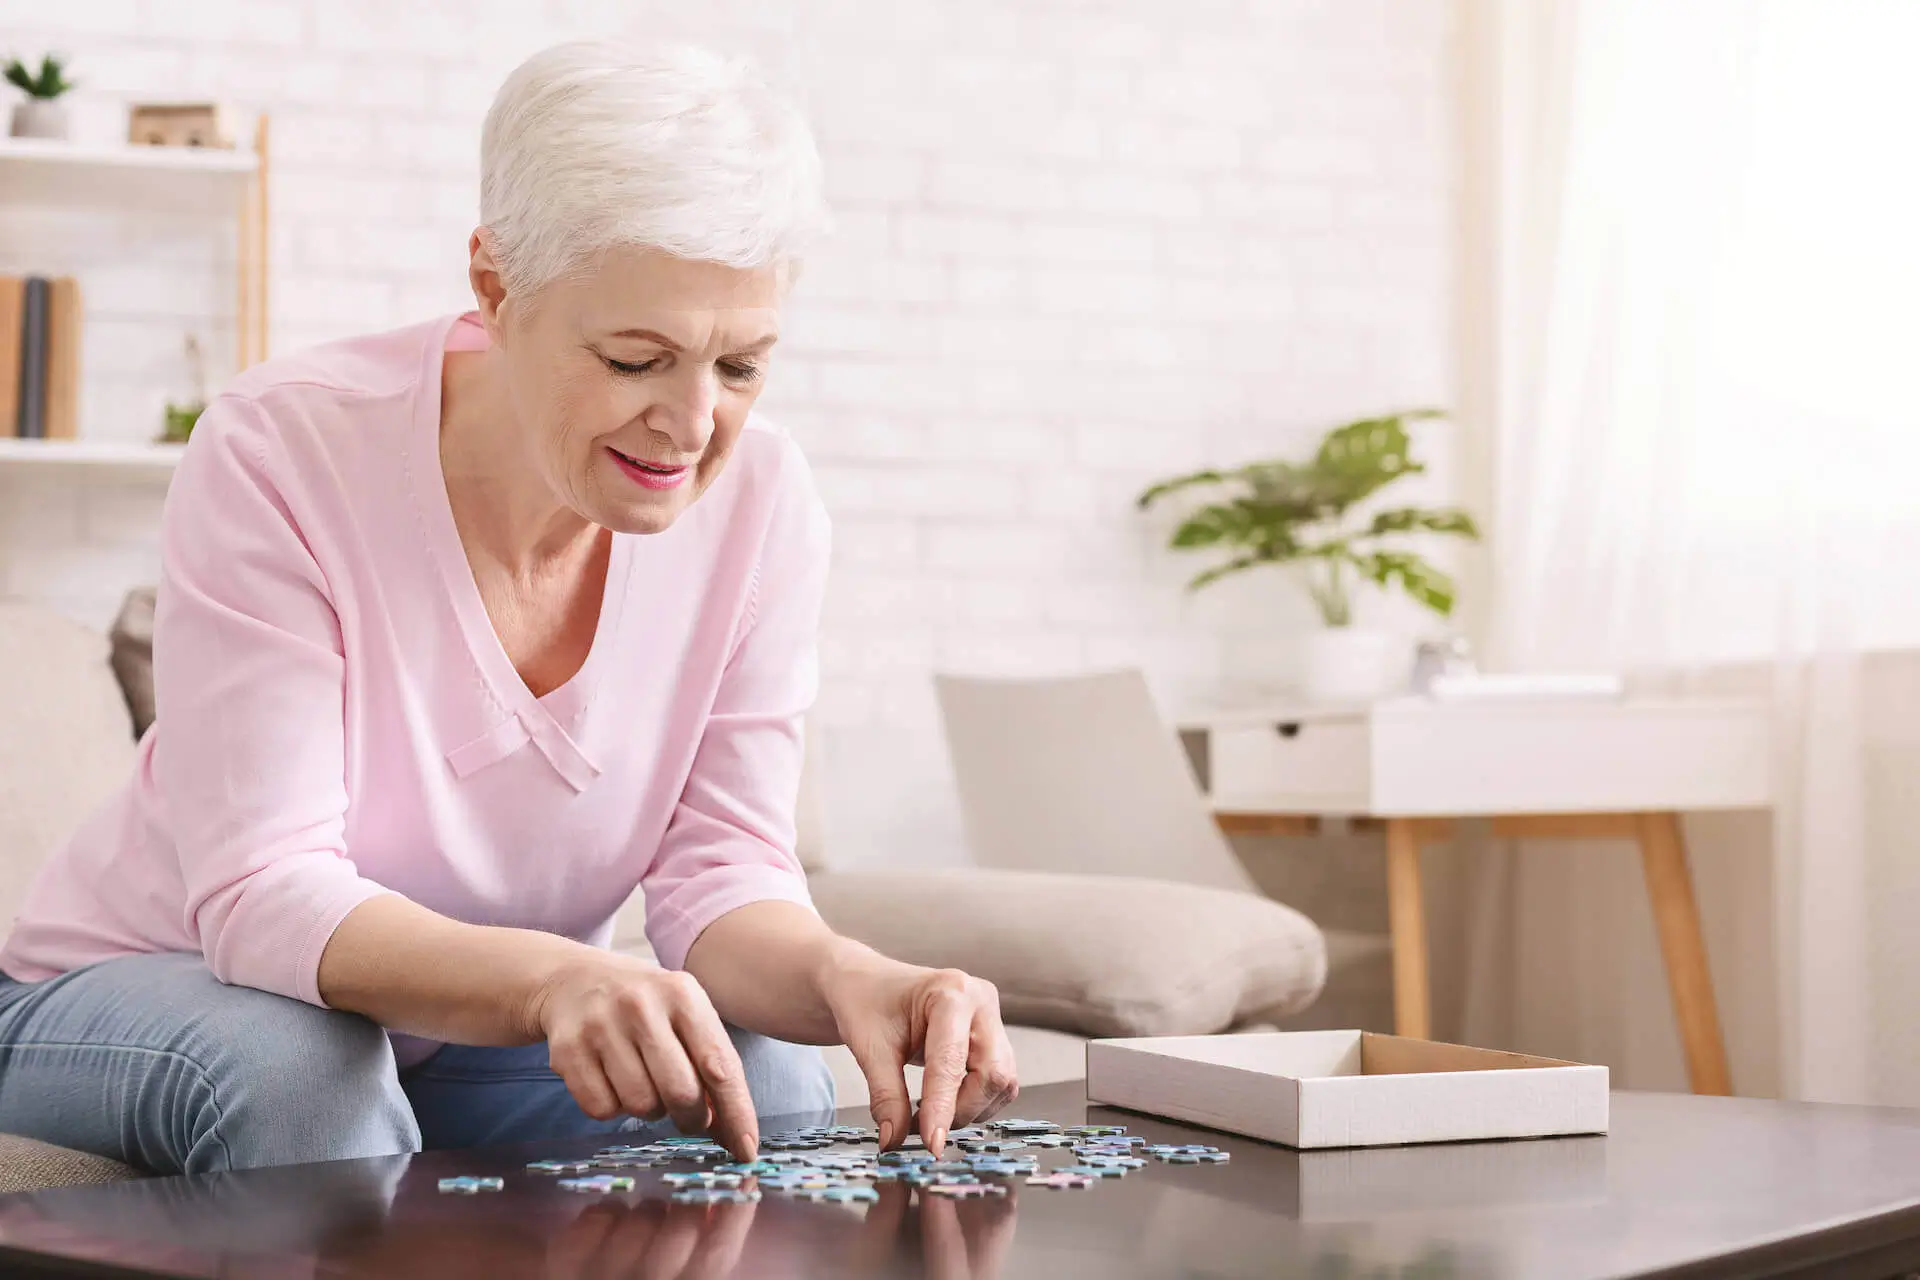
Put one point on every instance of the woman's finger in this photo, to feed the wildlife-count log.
(658, 1041)
(627, 1074)
(579, 1068)
(722, 1075)
(945, 1048)
(993, 1078)
(886, 1072)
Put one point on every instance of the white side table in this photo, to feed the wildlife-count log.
(1535, 768)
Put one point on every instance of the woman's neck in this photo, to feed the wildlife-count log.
(503, 506)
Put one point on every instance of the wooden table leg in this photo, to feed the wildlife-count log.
(1407, 920)
(1663, 851)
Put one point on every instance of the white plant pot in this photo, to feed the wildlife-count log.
(40, 118)
(1348, 664)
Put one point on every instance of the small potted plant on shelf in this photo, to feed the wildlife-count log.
(179, 417)
(42, 115)
(1307, 515)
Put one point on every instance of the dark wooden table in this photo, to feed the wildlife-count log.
(1684, 1186)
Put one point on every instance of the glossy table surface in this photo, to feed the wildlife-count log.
(1683, 1186)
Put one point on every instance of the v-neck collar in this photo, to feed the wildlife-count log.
(522, 717)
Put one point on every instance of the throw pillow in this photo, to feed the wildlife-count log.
(1097, 955)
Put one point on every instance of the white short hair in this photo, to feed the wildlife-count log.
(590, 146)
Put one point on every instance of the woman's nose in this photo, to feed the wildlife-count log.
(685, 414)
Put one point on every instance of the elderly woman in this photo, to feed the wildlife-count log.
(464, 631)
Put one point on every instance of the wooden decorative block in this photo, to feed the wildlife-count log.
(180, 124)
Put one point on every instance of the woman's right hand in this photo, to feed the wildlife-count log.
(631, 1038)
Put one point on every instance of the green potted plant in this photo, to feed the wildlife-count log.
(1308, 516)
(42, 115)
(179, 416)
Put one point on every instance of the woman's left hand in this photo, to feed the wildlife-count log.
(891, 1014)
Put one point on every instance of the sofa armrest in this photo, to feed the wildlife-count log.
(1097, 955)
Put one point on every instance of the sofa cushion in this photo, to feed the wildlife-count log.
(1097, 955)
(27, 1164)
(67, 740)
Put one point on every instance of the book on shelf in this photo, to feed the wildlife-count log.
(40, 336)
(31, 423)
(13, 297)
(63, 359)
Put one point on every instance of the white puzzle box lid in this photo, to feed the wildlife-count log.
(1314, 1089)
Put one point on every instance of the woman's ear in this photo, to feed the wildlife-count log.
(483, 274)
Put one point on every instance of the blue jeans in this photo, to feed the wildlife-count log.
(153, 1061)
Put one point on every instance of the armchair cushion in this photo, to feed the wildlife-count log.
(1097, 955)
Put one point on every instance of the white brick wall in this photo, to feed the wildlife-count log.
(1079, 244)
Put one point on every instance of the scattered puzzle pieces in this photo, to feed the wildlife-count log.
(1092, 1171)
(624, 1162)
(701, 1179)
(795, 1144)
(841, 1195)
(599, 1183)
(466, 1186)
(802, 1164)
(791, 1182)
(1025, 1128)
(714, 1195)
(912, 1173)
(906, 1157)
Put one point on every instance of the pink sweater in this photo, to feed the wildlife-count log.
(337, 718)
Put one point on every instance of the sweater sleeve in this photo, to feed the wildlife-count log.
(732, 836)
(248, 677)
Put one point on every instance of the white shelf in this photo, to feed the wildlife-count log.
(145, 459)
(76, 173)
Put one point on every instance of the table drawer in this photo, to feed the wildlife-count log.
(1317, 767)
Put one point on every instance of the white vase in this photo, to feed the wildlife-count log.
(40, 118)
(1348, 664)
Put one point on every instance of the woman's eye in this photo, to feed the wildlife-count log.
(630, 370)
(737, 372)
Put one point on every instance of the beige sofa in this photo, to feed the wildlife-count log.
(1072, 955)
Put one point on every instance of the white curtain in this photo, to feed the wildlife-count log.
(1699, 320)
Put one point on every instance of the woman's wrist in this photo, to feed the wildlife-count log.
(554, 964)
(844, 962)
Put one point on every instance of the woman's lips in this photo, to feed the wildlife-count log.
(649, 475)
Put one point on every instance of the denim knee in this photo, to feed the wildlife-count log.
(785, 1079)
(311, 1084)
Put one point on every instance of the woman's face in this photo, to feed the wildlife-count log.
(636, 379)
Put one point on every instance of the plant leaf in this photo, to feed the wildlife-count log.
(1427, 584)
(1219, 571)
(1176, 484)
(1410, 519)
(1208, 526)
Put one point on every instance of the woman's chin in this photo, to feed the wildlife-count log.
(641, 515)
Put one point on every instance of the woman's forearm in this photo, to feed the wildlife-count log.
(415, 971)
(766, 967)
